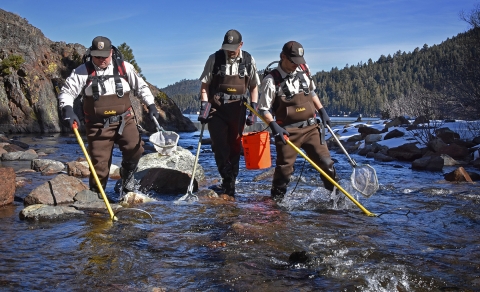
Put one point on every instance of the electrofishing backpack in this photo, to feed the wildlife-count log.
(119, 71)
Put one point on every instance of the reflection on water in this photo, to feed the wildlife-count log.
(425, 238)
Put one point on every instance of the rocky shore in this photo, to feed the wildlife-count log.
(63, 193)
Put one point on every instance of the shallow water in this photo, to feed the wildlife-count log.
(425, 237)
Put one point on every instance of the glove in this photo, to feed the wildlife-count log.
(278, 131)
(204, 112)
(251, 117)
(153, 112)
(69, 117)
(325, 118)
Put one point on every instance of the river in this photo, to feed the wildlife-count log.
(425, 237)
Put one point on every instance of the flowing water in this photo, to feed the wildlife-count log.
(425, 237)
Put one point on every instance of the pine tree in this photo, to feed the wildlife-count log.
(127, 54)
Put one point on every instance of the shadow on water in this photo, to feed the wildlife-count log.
(424, 239)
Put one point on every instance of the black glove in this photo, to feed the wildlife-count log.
(69, 117)
(324, 116)
(153, 112)
(278, 131)
(204, 112)
(251, 118)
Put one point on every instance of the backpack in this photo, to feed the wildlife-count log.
(119, 71)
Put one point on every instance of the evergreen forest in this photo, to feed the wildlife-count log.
(441, 81)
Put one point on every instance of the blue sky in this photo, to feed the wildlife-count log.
(171, 40)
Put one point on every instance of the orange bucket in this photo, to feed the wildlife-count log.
(256, 149)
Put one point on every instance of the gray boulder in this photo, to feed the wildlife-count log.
(47, 166)
(40, 211)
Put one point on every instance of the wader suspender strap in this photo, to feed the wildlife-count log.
(220, 64)
(118, 71)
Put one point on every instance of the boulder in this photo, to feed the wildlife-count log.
(40, 211)
(60, 189)
(20, 155)
(398, 121)
(455, 151)
(78, 169)
(368, 130)
(406, 152)
(431, 163)
(166, 181)
(382, 157)
(448, 136)
(436, 144)
(47, 166)
(13, 148)
(372, 138)
(395, 133)
(421, 120)
(7, 185)
(458, 175)
(181, 160)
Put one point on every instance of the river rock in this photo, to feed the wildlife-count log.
(40, 211)
(458, 175)
(7, 185)
(372, 138)
(78, 169)
(60, 189)
(13, 148)
(406, 152)
(20, 155)
(448, 136)
(395, 133)
(166, 181)
(455, 151)
(47, 166)
(431, 163)
(181, 160)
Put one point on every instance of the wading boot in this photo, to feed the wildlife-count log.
(127, 173)
(277, 193)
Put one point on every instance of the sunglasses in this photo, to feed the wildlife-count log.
(98, 57)
(288, 58)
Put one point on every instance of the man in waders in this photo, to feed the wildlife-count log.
(289, 91)
(106, 83)
(227, 76)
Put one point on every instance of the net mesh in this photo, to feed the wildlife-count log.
(364, 179)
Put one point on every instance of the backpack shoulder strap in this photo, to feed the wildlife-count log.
(245, 65)
(220, 63)
(277, 78)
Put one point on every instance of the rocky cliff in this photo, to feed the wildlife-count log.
(31, 66)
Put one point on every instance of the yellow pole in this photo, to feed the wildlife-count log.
(316, 167)
(92, 170)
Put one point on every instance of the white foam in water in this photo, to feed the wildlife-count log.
(321, 198)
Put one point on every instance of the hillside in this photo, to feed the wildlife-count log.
(31, 65)
(439, 81)
(185, 95)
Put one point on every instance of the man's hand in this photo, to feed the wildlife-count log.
(278, 131)
(153, 112)
(325, 118)
(69, 116)
(251, 118)
(204, 112)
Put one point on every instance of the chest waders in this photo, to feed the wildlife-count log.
(109, 120)
(226, 94)
(296, 113)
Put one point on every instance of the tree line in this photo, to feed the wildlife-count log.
(441, 81)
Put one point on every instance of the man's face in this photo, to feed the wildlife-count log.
(234, 54)
(287, 64)
(102, 62)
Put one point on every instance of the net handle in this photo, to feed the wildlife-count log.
(352, 162)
